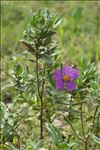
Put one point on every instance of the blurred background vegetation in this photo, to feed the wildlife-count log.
(78, 35)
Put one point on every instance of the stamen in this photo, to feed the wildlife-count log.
(66, 78)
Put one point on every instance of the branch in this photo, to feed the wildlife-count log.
(94, 117)
(68, 120)
(97, 107)
(82, 122)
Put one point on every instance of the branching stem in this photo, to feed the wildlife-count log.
(40, 94)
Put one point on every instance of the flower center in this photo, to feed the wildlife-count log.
(66, 78)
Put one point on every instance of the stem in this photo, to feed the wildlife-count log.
(86, 142)
(27, 101)
(41, 102)
(70, 106)
(40, 96)
(18, 137)
(75, 131)
(86, 145)
(94, 118)
(41, 120)
(82, 124)
(37, 75)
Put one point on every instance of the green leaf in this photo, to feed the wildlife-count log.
(47, 14)
(95, 138)
(54, 133)
(67, 119)
(33, 20)
(46, 58)
(2, 113)
(29, 46)
(31, 60)
(7, 86)
(57, 22)
(51, 80)
(63, 146)
(18, 69)
(66, 146)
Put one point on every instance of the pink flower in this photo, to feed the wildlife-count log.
(66, 76)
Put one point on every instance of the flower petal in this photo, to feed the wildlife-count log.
(57, 74)
(74, 74)
(59, 84)
(71, 86)
(66, 70)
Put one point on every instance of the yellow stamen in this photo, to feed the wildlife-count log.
(66, 78)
